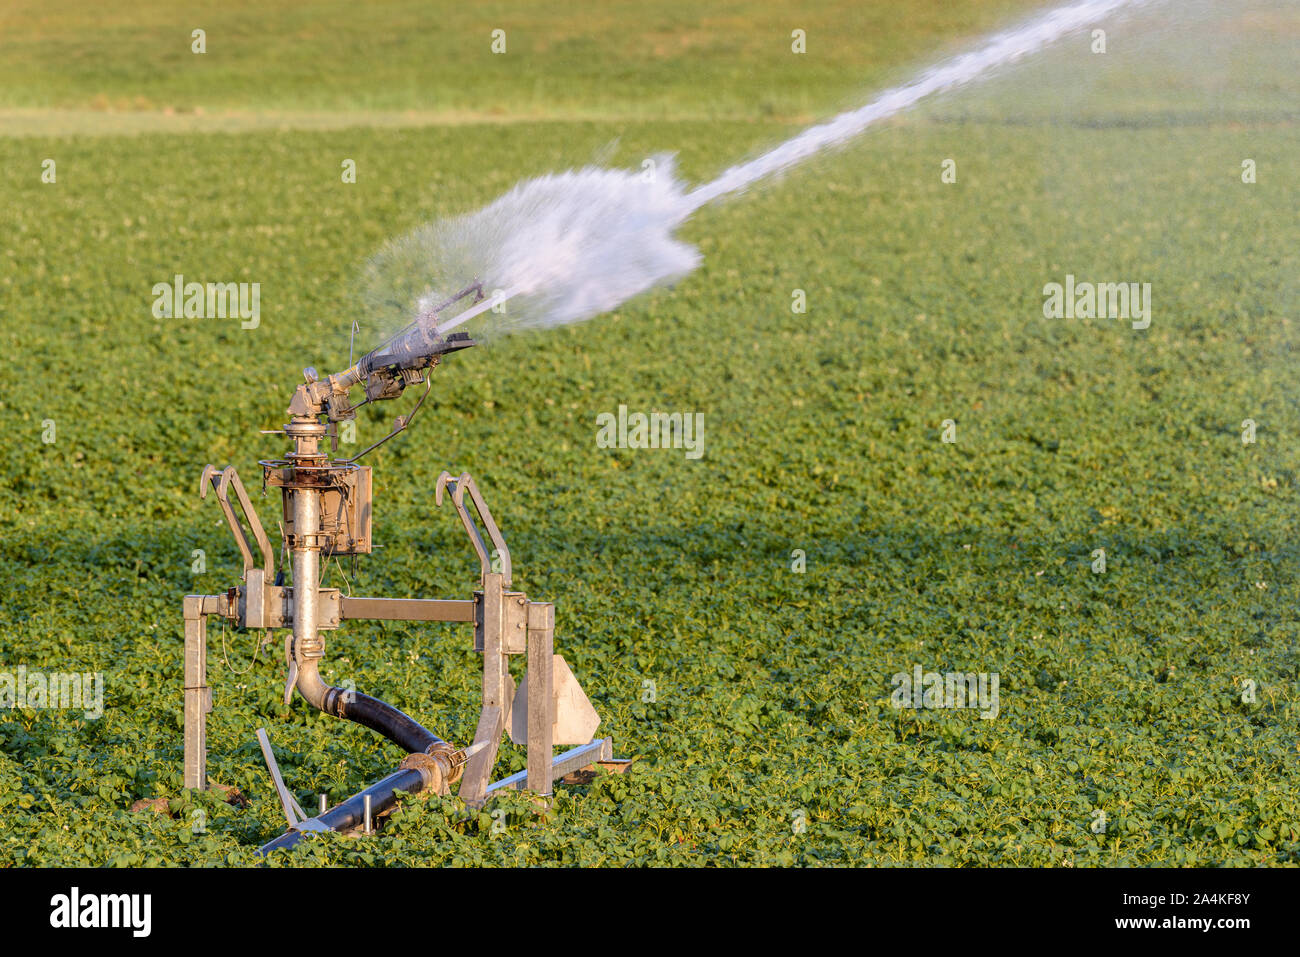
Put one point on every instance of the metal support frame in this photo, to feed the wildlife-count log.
(602, 749)
(505, 623)
(197, 610)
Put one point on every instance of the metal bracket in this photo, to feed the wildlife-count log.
(222, 482)
(458, 488)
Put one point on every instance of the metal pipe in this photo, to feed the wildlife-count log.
(308, 645)
(421, 338)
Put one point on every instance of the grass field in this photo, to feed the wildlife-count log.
(771, 738)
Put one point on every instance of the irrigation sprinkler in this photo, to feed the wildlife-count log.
(327, 505)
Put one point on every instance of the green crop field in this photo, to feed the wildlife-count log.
(920, 469)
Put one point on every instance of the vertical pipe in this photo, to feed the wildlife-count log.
(307, 643)
(305, 544)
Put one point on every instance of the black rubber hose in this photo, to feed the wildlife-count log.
(352, 812)
(398, 727)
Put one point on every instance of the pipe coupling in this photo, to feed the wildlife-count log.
(335, 701)
(450, 757)
(432, 770)
(310, 648)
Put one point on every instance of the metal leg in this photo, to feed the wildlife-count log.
(541, 695)
(198, 699)
(497, 692)
(473, 785)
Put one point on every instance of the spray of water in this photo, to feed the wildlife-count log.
(567, 247)
(559, 249)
